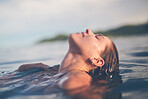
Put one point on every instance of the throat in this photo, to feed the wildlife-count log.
(73, 62)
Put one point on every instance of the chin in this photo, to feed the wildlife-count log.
(72, 35)
(73, 40)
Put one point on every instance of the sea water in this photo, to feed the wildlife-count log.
(133, 54)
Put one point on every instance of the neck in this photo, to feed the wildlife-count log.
(73, 62)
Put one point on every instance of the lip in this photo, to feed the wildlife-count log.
(78, 33)
(84, 34)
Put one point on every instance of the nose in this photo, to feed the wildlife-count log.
(88, 31)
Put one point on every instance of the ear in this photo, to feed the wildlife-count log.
(98, 62)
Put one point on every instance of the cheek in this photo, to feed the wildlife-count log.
(93, 43)
(88, 46)
(102, 46)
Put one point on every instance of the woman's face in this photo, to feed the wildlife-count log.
(87, 43)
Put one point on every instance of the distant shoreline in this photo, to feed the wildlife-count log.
(127, 30)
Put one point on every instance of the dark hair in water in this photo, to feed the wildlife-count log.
(111, 65)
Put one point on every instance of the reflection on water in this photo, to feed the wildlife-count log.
(101, 89)
(133, 53)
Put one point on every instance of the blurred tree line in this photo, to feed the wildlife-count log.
(126, 30)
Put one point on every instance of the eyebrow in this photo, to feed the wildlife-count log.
(99, 34)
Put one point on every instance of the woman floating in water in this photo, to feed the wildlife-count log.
(88, 55)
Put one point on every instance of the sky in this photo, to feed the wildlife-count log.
(24, 22)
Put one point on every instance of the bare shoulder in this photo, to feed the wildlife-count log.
(74, 80)
(25, 67)
(79, 75)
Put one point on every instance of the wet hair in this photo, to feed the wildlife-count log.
(111, 62)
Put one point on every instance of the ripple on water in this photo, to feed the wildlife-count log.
(122, 71)
(140, 54)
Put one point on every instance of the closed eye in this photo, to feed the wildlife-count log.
(99, 36)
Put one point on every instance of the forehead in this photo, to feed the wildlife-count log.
(107, 39)
(106, 42)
